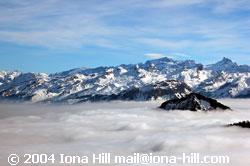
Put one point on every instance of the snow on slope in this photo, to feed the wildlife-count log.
(6, 77)
(129, 82)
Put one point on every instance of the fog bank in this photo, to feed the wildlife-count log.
(123, 128)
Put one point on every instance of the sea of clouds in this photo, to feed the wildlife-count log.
(123, 128)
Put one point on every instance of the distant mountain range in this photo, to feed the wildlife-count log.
(155, 79)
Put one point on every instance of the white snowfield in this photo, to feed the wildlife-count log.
(123, 128)
(224, 79)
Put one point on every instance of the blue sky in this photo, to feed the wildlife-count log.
(56, 35)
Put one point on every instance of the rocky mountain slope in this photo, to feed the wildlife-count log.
(161, 78)
(194, 102)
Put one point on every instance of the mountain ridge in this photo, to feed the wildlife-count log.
(158, 78)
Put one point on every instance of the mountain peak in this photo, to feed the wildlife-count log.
(226, 60)
(225, 64)
(193, 102)
(163, 59)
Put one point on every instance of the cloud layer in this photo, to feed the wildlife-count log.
(123, 128)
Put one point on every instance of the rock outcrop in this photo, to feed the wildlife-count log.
(193, 102)
(243, 124)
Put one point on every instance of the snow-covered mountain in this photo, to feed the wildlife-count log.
(160, 78)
